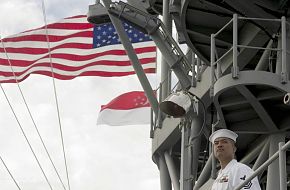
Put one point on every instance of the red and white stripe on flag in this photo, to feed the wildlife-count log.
(131, 108)
(71, 51)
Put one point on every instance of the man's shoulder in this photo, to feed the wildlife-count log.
(242, 167)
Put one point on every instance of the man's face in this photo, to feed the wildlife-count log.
(224, 148)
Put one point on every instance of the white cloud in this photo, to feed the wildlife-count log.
(18, 15)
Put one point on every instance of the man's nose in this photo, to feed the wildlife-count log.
(219, 144)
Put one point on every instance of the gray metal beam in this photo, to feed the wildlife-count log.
(264, 116)
(262, 156)
(254, 152)
(165, 182)
(203, 35)
(284, 72)
(167, 136)
(234, 100)
(185, 163)
(194, 141)
(282, 167)
(273, 176)
(246, 127)
(172, 170)
(270, 94)
(165, 71)
(279, 57)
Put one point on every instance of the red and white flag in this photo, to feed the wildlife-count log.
(77, 48)
(131, 108)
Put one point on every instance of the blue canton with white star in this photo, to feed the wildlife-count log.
(106, 34)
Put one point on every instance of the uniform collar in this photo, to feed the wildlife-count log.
(228, 166)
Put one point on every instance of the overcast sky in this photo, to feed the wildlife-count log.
(98, 157)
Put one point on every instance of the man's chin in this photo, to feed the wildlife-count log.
(220, 155)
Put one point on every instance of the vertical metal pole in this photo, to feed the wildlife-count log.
(185, 171)
(212, 60)
(165, 77)
(160, 114)
(284, 74)
(282, 167)
(273, 169)
(194, 141)
(278, 70)
(172, 170)
(213, 162)
(169, 81)
(198, 67)
(165, 182)
(235, 69)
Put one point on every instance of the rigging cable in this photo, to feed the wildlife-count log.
(10, 173)
(30, 114)
(55, 95)
(30, 146)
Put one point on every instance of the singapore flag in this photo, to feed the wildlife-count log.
(131, 108)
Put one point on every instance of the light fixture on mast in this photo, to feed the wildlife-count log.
(176, 104)
(98, 14)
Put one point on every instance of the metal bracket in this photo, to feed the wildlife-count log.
(284, 78)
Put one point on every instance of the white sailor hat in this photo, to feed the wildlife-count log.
(223, 133)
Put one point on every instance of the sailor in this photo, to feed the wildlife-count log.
(232, 173)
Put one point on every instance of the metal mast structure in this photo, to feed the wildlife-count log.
(236, 75)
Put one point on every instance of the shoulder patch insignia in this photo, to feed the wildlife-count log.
(249, 185)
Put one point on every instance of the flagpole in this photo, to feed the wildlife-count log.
(134, 59)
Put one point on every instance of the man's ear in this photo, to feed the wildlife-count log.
(235, 148)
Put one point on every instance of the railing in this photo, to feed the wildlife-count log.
(282, 167)
(235, 46)
(216, 70)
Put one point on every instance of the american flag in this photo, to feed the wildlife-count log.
(77, 48)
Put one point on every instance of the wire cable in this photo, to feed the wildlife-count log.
(30, 146)
(55, 94)
(10, 173)
(30, 114)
